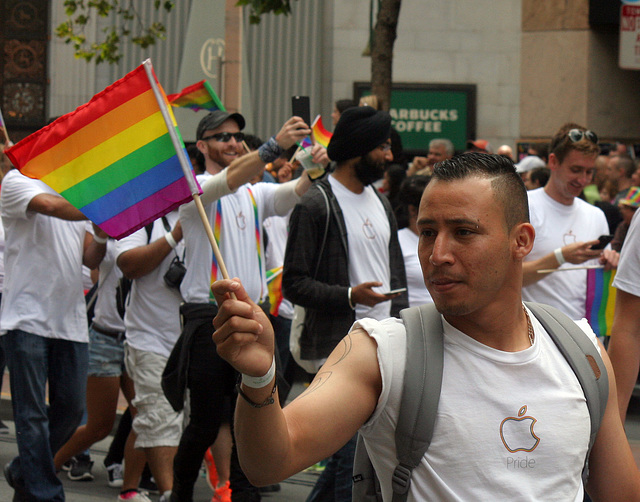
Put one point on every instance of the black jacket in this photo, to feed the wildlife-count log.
(325, 295)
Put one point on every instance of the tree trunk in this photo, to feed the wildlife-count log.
(382, 50)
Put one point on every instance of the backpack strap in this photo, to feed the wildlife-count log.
(420, 392)
(585, 360)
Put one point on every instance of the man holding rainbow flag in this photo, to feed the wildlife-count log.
(236, 211)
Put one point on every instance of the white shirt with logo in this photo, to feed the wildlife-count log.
(558, 225)
(509, 426)
(368, 235)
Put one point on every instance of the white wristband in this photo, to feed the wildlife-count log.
(100, 240)
(559, 256)
(170, 240)
(353, 307)
(263, 381)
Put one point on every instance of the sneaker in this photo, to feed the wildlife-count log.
(166, 497)
(148, 485)
(115, 473)
(270, 488)
(212, 472)
(66, 467)
(4, 428)
(222, 494)
(81, 469)
(134, 496)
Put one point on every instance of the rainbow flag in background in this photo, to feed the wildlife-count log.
(112, 158)
(601, 300)
(321, 135)
(274, 285)
(200, 96)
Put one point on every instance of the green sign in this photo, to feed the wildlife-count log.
(422, 112)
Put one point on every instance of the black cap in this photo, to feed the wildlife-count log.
(215, 118)
(359, 131)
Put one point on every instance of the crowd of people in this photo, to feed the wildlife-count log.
(356, 239)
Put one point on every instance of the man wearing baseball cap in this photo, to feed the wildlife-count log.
(235, 210)
(343, 256)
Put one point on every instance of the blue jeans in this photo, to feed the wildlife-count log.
(335, 482)
(40, 429)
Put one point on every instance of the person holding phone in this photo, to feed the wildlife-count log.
(567, 228)
(342, 255)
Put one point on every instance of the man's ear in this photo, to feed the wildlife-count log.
(523, 236)
(553, 162)
(201, 146)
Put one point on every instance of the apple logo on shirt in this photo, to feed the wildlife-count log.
(517, 432)
(241, 221)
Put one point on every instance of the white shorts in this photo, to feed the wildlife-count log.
(156, 423)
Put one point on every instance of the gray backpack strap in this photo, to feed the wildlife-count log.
(366, 487)
(585, 360)
(420, 392)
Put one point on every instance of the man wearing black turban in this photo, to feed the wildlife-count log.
(343, 257)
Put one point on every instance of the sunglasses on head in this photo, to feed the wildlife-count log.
(576, 135)
(225, 137)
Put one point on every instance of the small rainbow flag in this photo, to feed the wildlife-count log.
(112, 158)
(601, 300)
(320, 134)
(274, 284)
(200, 96)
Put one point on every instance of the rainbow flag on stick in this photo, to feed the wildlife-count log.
(320, 134)
(200, 96)
(274, 285)
(114, 157)
(601, 300)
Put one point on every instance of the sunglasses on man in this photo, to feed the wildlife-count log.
(225, 137)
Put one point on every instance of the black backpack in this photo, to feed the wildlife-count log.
(423, 381)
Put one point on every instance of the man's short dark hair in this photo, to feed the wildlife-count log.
(627, 165)
(507, 185)
(345, 104)
(540, 175)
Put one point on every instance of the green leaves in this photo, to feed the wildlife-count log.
(259, 7)
(107, 50)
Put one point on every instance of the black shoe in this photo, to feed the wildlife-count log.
(19, 494)
(270, 488)
(148, 484)
(81, 469)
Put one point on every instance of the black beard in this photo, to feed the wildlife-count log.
(367, 171)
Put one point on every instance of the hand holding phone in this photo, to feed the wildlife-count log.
(603, 240)
(300, 107)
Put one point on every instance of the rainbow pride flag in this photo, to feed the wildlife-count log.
(274, 285)
(601, 300)
(112, 158)
(320, 134)
(200, 96)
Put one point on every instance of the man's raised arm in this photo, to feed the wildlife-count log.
(275, 443)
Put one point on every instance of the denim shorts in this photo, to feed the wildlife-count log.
(106, 355)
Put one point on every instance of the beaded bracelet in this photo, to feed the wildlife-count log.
(270, 150)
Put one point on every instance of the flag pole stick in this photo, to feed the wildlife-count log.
(4, 128)
(568, 269)
(186, 167)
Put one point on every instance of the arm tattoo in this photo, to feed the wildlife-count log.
(347, 345)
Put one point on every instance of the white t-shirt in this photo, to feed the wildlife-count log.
(556, 226)
(628, 275)
(152, 319)
(509, 426)
(418, 292)
(368, 235)
(1, 255)
(277, 230)
(43, 292)
(105, 312)
(239, 230)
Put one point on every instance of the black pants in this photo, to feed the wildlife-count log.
(211, 383)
